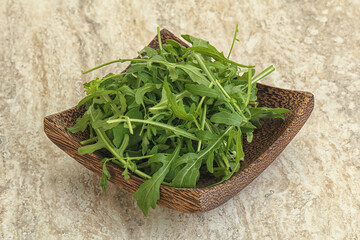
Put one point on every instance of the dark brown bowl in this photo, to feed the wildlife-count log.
(269, 141)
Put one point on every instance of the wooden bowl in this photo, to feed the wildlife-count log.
(269, 141)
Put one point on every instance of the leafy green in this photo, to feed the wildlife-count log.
(233, 119)
(174, 111)
(204, 91)
(149, 192)
(105, 175)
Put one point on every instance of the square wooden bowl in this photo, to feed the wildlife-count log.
(269, 141)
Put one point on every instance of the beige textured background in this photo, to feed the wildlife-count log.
(312, 191)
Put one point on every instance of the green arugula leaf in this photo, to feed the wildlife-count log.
(210, 162)
(119, 132)
(140, 92)
(264, 112)
(105, 175)
(91, 148)
(178, 110)
(204, 91)
(149, 192)
(80, 125)
(206, 135)
(148, 51)
(233, 119)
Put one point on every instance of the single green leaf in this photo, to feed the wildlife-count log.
(80, 125)
(91, 148)
(206, 135)
(172, 72)
(239, 156)
(178, 110)
(134, 113)
(203, 90)
(249, 136)
(195, 41)
(233, 119)
(105, 175)
(210, 161)
(140, 92)
(239, 148)
(194, 73)
(258, 113)
(149, 192)
(119, 131)
(126, 173)
(173, 43)
(150, 52)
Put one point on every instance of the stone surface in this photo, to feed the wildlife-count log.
(312, 191)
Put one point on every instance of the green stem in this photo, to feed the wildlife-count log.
(233, 42)
(102, 65)
(202, 125)
(159, 38)
(263, 74)
(203, 98)
(225, 161)
(127, 120)
(139, 157)
(158, 124)
(90, 140)
(196, 123)
(249, 89)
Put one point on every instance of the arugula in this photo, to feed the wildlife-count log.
(174, 111)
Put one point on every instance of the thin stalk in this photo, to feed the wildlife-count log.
(90, 140)
(162, 125)
(263, 74)
(102, 65)
(203, 98)
(225, 161)
(159, 38)
(202, 125)
(234, 39)
(127, 120)
(196, 123)
(249, 89)
(139, 157)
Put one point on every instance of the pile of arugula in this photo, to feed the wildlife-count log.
(174, 111)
